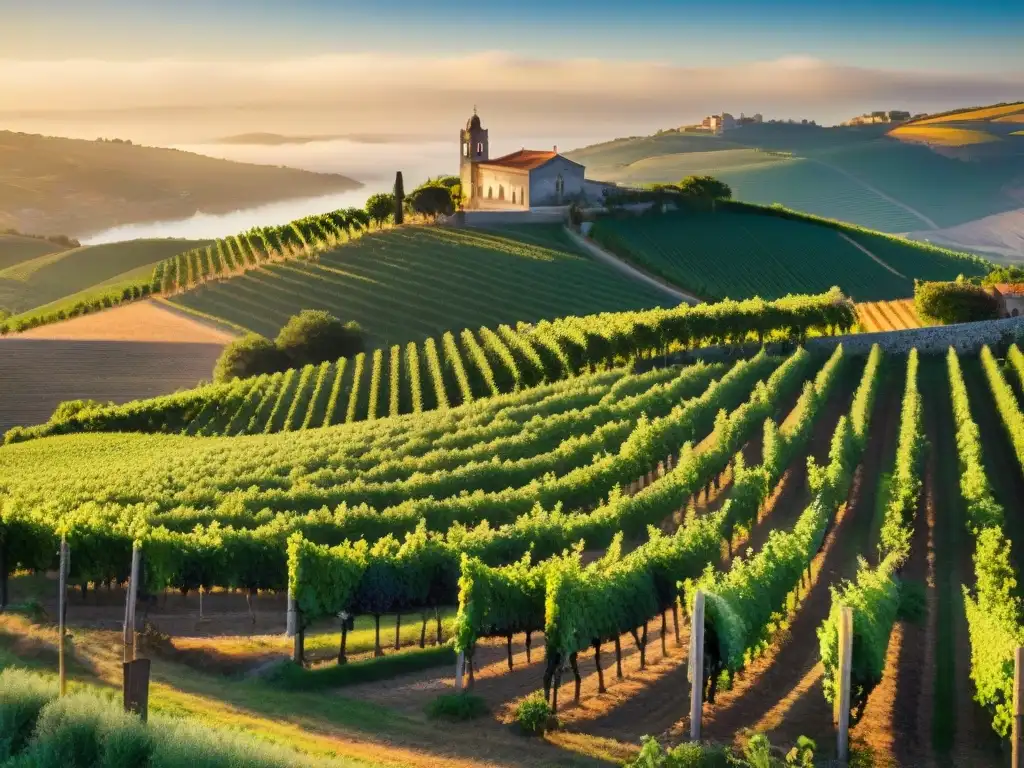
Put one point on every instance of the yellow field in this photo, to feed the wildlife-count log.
(1017, 133)
(986, 113)
(1017, 118)
(888, 315)
(947, 137)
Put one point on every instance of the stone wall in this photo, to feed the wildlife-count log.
(964, 337)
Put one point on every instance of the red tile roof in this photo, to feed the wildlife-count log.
(523, 160)
(1010, 289)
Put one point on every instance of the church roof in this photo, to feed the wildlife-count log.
(523, 160)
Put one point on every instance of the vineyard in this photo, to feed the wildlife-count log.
(888, 315)
(569, 525)
(740, 255)
(430, 278)
(455, 369)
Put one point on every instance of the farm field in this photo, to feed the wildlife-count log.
(742, 255)
(17, 248)
(942, 135)
(62, 277)
(454, 369)
(40, 373)
(888, 315)
(481, 480)
(431, 280)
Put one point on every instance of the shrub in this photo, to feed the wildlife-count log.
(22, 697)
(684, 756)
(69, 408)
(456, 706)
(431, 200)
(313, 336)
(380, 207)
(533, 715)
(250, 355)
(956, 302)
(294, 677)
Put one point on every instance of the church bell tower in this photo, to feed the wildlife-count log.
(473, 149)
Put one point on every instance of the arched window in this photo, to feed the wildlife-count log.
(465, 148)
(559, 185)
(490, 192)
(1015, 313)
(522, 196)
(479, 190)
(513, 195)
(501, 191)
(480, 148)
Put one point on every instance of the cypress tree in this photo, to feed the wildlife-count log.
(399, 198)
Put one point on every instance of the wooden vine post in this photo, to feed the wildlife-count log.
(696, 665)
(1018, 709)
(460, 669)
(842, 705)
(129, 608)
(62, 612)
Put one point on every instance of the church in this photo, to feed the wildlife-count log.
(525, 179)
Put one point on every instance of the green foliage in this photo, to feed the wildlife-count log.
(431, 200)
(527, 356)
(757, 753)
(740, 604)
(22, 697)
(399, 199)
(456, 707)
(313, 336)
(71, 408)
(295, 678)
(705, 187)
(955, 302)
(251, 355)
(913, 602)
(381, 206)
(533, 715)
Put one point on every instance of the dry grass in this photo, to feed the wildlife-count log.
(986, 113)
(941, 135)
(888, 315)
(139, 321)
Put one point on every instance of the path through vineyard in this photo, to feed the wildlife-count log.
(780, 693)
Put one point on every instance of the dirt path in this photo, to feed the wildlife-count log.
(636, 273)
(779, 694)
(870, 255)
(960, 730)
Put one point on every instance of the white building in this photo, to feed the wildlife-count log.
(525, 179)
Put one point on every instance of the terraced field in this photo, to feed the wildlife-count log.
(414, 282)
(888, 315)
(742, 255)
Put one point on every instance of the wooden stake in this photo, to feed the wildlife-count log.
(129, 618)
(460, 668)
(290, 616)
(843, 699)
(61, 623)
(1018, 709)
(696, 665)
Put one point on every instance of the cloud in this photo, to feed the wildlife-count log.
(368, 89)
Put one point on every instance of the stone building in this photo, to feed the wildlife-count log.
(525, 179)
(1010, 297)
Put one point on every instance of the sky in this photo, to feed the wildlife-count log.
(595, 65)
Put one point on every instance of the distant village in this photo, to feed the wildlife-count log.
(719, 124)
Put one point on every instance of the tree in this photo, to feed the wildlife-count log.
(431, 200)
(380, 206)
(399, 196)
(250, 355)
(705, 187)
(313, 336)
(957, 302)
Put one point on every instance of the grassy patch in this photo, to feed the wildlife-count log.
(456, 706)
(293, 677)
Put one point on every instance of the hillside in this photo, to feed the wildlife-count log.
(15, 249)
(77, 187)
(58, 278)
(741, 253)
(474, 515)
(413, 282)
(857, 174)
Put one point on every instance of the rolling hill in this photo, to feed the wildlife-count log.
(410, 283)
(15, 249)
(57, 278)
(76, 187)
(741, 252)
(919, 178)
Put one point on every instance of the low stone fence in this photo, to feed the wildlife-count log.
(964, 337)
